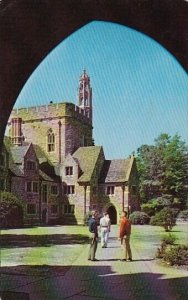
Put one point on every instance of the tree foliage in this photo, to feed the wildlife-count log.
(164, 218)
(11, 210)
(163, 169)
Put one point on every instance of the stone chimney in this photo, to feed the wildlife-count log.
(16, 131)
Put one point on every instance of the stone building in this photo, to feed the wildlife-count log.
(56, 169)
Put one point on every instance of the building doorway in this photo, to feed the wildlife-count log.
(112, 214)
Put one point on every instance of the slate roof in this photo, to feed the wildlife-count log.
(117, 170)
(16, 158)
(47, 172)
(87, 158)
(18, 153)
(41, 155)
(16, 170)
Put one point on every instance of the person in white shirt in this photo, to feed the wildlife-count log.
(105, 229)
(109, 222)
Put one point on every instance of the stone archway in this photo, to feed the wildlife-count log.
(112, 214)
(29, 32)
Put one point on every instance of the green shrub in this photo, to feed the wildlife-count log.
(148, 208)
(10, 199)
(164, 218)
(138, 217)
(176, 255)
(169, 239)
(155, 205)
(11, 210)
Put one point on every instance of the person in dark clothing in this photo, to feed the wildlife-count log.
(94, 236)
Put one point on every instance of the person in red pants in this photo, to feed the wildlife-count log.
(124, 236)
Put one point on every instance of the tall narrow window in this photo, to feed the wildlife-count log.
(69, 189)
(110, 190)
(51, 141)
(31, 209)
(29, 186)
(44, 193)
(30, 165)
(69, 170)
(54, 209)
(69, 209)
(35, 187)
(54, 190)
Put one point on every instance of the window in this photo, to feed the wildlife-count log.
(69, 209)
(51, 141)
(35, 187)
(44, 193)
(30, 165)
(53, 209)
(69, 189)
(54, 190)
(69, 170)
(2, 184)
(110, 190)
(32, 186)
(29, 186)
(31, 209)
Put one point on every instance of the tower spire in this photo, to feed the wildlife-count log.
(85, 94)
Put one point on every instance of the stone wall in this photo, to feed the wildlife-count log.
(68, 123)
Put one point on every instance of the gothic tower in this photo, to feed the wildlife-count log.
(85, 94)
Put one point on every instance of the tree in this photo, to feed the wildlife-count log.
(11, 210)
(163, 169)
(164, 218)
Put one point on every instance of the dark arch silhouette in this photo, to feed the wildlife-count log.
(112, 214)
(29, 30)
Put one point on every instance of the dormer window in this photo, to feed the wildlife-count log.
(30, 165)
(68, 171)
(51, 141)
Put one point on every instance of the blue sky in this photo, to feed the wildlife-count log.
(139, 88)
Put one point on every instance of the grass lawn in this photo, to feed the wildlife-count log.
(57, 245)
(61, 245)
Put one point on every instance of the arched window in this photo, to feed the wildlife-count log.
(51, 141)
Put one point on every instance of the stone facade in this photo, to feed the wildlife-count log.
(56, 169)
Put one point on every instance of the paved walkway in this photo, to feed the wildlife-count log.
(108, 278)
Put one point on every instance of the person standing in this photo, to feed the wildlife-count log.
(109, 227)
(94, 236)
(104, 228)
(124, 236)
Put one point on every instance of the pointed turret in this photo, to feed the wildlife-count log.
(85, 94)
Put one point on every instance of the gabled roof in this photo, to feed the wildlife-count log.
(16, 170)
(45, 177)
(47, 172)
(69, 158)
(87, 158)
(41, 155)
(18, 153)
(117, 170)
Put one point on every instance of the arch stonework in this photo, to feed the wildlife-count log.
(108, 205)
(29, 30)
